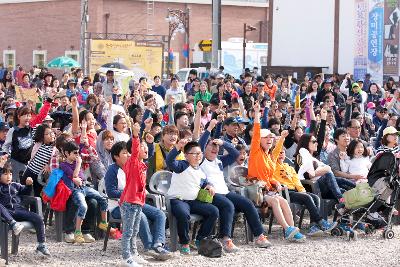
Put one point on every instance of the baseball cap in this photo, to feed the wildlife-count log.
(355, 85)
(71, 81)
(380, 108)
(360, 81)
(48, 118)
(242, 120)
(390, 130)
(220, 76)
(371, 105)
(4, 126)
(264, 133)
(230, 120)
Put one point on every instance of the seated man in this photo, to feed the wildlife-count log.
(153, 240)
(227, 202)
(186, 181)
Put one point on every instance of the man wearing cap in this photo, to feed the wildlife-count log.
(71, 88)
(3, 133)
(231, 126)
(379, 116)
(326, 87)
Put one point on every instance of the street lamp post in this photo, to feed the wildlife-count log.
(246, 28)
(178, 21)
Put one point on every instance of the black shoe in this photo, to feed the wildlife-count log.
(162, 254)
(43, 250)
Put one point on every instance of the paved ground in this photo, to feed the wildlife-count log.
(324, 251)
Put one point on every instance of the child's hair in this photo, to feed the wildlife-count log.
(39, 134)
(70, 146)
(61, 141)
(240, 147)
(352, 146)
(184, 133)
(129, 145)
(107, 135)
(117, 148)
(6, 168)
(189, 146)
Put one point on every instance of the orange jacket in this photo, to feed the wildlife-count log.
(271, 90)
(261, 164)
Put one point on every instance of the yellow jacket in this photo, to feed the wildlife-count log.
(286, 174)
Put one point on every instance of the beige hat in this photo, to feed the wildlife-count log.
(265, 133)
(390, 130)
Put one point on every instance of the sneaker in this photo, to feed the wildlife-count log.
(315, 231)
(17, 228)
(229, 247)
(88, 238)
(299, 237)
(103, 226)
(185, 250)
(78, 238)
(197, 244)
(69, 238)
(262, 242)
(327, 227)
(130, 263)
(290, 232)
(139, 259)
(160, 253)
(43, 250)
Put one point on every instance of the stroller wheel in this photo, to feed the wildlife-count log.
(388, 234)
(336, 231)
(352, 235)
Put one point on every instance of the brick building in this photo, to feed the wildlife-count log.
(36, 31)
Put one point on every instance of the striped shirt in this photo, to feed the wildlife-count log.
(41, 158)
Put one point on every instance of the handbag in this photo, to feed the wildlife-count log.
(204, 196)
(210, 247)
(255, 191)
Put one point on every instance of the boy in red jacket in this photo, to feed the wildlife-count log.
(133, 197)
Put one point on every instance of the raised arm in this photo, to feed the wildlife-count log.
(232, 155)
(255, 141)
(75, 115)
(197, 120)
(173, 164)
(42, 113)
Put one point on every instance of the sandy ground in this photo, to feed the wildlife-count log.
(327, 251)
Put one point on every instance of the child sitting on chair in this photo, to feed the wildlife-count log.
(11, 209)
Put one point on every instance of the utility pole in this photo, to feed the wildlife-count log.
(336, 37)
(246, 28)
(216, 33)
(84, 21)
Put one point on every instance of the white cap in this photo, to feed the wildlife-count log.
(265, 133)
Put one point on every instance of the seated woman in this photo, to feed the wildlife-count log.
(262, 167)
(287, 175)
(356, 161)
(313, 169)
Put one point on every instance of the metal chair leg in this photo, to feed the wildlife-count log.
(301, 217)
(106, 237)
(4, 240)
(59, 218)
(271, 220)
(14, 244)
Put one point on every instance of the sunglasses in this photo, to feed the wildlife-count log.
(314, 141)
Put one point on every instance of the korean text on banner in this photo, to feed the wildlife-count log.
(375, 40)
(361, 44)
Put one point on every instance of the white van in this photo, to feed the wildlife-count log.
(183, 75)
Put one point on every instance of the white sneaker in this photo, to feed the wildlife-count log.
(69, 238)
(139, 259)
(17, 228)
(88, 238)
(130, 263)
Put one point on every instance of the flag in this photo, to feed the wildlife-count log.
(186, 50)
(171, 54)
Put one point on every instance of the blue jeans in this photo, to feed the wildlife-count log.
(130, 220)
(310, 200)
(152, 225)
(78, 196)
(329, 186)
(181, 209)
(227, 204)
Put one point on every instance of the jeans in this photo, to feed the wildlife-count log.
(130, 220)
(70, 213)
(17, 169)
(78, 196)
(310, 200)
(152, 225)
(227, 204)
(331, 186)
(181, 209)
(20, 214)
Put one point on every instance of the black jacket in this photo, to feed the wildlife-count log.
(10, 194)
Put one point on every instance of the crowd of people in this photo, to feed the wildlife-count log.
(105, 142)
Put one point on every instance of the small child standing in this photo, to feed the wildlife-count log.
(133, 197)
(11, 209)
(74, 180)
(356, 161)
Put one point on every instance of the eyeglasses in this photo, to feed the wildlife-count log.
(75, 152)
(314, 141)
(196, 153)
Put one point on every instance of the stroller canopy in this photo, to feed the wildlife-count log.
(383, 166)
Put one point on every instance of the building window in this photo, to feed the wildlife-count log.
(9, 58)
(74, 54)
(40, 58)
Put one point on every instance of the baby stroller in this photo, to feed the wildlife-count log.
(383, 178)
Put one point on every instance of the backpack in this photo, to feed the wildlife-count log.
(210, 247)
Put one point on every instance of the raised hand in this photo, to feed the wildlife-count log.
(136, 129)
(149, 138)
(199, 105)
(284, 133)
(74, 102)
(212, 124)
(181, 144)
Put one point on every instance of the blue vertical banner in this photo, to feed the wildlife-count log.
(375, 40)
(360, 37)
